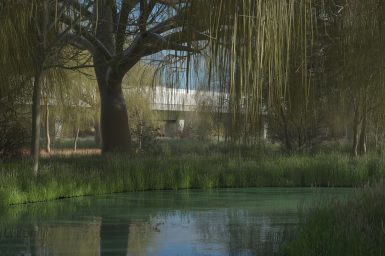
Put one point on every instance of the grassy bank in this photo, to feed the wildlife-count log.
(178, 168)
(354, 228)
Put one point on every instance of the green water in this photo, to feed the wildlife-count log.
(219, 222)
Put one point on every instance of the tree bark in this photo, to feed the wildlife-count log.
(362, 140)
(47, 136)
(356, 124)
(39, 76)
(114, 127)
(114, 122)
(35, 140)
(76, 140)
(288, 146)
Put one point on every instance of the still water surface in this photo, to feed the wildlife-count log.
(220, 222)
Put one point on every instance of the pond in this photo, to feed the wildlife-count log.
(251, 221)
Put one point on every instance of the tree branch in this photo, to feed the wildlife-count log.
(77, 5)
(127, 7)
(98, 46)
(79, 42)
(145, 11)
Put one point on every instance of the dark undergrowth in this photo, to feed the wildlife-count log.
(354, 227)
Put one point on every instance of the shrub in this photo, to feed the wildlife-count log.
(13, 133)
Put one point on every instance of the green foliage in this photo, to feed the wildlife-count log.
(13, 130)
(68, 143)
(142, 120)
(353, 228)
(76, 101)
(192, 166)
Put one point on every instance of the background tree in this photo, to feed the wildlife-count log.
(354, 64)
(35, 45)
(15, 74)
(254, 45)
(120, 33)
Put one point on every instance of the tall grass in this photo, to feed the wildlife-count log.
(175, 168)
(355, 227)
(69, 143)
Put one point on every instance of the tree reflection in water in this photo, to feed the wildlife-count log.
(223, 222)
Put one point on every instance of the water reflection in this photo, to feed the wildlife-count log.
(68, 239)
(222, 222)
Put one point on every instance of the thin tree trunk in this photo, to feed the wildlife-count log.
(218, 131)
(141, 135)
(376, 137)
(362, 140)
(288, 146)
(355, 133)
(35, 140)
(355, 140)
(76, 140)
(47, 136)
(98, 140)
(39, 75)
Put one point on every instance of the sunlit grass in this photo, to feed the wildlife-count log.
(207, 167)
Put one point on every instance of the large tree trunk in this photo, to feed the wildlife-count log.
(35, 140)
(114, 122)
(114, 127)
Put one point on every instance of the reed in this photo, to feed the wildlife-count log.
(207, 167)
(354, 227)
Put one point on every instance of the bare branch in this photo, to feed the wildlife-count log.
(98, 46)
(77, 5)
(127, 6)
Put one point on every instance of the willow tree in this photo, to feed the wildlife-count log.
(257, 46)
(364, 65)
(17, 59)
(34, 48)
(118, 34)
(355, 63)
(249, 41)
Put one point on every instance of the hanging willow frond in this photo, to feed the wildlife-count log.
(16, 54)
(256, 44)
(253, 44)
